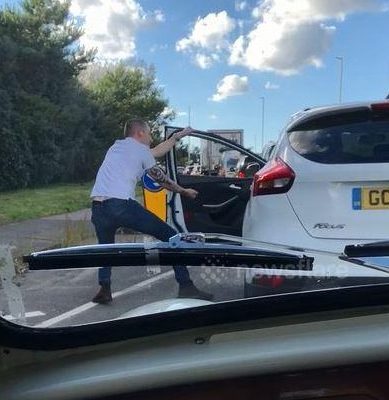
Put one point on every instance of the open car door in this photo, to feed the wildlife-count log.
(221, 171)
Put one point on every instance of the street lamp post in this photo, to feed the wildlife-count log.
(340, 78)
(263, 122)
(189, 124)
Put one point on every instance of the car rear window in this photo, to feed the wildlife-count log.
(354, 143)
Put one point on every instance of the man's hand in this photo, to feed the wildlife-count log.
(190, 193)
(185, 132)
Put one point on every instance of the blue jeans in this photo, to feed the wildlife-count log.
(111, 214)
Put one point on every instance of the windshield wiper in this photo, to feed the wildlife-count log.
(181, 250)
(374, 249)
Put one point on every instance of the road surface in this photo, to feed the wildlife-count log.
(62, 297)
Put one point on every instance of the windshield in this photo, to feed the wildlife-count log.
(128, 122)
(365, 142)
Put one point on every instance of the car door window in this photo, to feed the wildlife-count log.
(202, 157)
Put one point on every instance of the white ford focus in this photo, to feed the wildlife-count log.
(327, 182)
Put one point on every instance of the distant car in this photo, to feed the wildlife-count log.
(268, 150)
(180, 170)
(188, 169)
(196, 170)
(328, 176)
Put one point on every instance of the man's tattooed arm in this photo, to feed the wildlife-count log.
(159, 176)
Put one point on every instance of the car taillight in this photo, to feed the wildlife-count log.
(274, 178)
(380, 107)
(273, 281)
(241, 174)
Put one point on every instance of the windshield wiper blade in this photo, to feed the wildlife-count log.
(178, 252)
(374, 249)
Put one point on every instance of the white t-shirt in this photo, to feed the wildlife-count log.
(123, 166)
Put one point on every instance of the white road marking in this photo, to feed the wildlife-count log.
(89, 305)
(30, 314)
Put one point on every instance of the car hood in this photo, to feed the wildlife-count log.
(165, 305)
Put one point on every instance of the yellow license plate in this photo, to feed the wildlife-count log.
(372, 198)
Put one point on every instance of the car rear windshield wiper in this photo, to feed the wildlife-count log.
(374, 249)
(181, 250)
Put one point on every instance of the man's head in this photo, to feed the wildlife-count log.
(138, 130)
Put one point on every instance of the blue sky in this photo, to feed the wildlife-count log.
(290, 45)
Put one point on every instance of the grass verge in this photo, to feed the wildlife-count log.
(26, 204)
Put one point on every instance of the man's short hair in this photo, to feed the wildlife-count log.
(132, 125)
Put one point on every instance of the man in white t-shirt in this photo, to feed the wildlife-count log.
(114, 204)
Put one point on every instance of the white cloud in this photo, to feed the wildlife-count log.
(111, 26)
(209, 34)
(213, 116)
(256, 12)
(315, 10)
(240, 5)
(230, 85)
(204, 61)
(271, 86)
(290, 35)
(283, 36)
(159, 16)
(241, 23)
(167, 111)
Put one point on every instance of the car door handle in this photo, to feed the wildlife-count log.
(233, 186)
(221, 205)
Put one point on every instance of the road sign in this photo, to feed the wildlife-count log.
(150, 184)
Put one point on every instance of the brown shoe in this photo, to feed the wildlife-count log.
(192, 292)
(103, 296)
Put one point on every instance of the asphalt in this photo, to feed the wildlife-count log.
(62, 297)
(46, 233)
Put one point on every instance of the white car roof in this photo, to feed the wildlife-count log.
(309, 113)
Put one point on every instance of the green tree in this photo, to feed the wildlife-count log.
(55, 126)
(43, 109)
(182, 154)
(126, 92)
